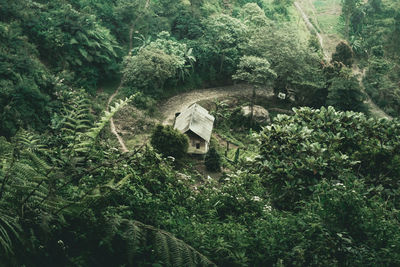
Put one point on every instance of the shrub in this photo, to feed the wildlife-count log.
(298, 151)
(169, 142)
(343, 54)
(213, 160)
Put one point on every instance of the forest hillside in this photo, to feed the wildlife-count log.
(303, 159)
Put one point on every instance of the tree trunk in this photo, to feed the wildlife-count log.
(348, 26)
(130, 38)
(222, 63)
(253, 99)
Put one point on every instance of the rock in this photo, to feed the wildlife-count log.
(260, 115)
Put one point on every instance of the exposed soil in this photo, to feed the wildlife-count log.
(112, 125)
(373, 108)
(311, 27)
(179, 102)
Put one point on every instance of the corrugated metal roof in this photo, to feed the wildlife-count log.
(197, 119)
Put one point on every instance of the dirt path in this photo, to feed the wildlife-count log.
(178, 103)
(112, 125)
(373, 108)
(311, 28)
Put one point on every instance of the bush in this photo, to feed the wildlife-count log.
(169, 142)
(213, 160)
(343, 54)
(298, 151)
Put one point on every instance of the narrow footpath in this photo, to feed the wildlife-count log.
(373, 108)
(112, 125)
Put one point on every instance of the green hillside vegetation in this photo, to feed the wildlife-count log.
(317, 186)
(374, 35)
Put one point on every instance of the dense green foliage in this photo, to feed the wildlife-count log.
(317, 188)
(68, 206)
(343, 54)
(156, 62)
(301, 150)
(344, 92)
(374, 36)
(169, 142)
(25, 83)
(213, 160)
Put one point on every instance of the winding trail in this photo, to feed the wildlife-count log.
(311, 28)
(112, 125)
(179, 102)
(373, 108)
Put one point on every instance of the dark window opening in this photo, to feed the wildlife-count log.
(197, 145)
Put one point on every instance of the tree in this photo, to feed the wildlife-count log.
(128, 16)
(380, 85)
(213, 160)
(293, 61)
(255, 71)
(149, 69)
(25, 83)
(344, 54)
(345, 92)
(156, 62)
(73, 40)
(169, 142)
(253, 16)
(226, 34)
(349, 7)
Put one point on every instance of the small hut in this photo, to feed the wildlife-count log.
(197, 124)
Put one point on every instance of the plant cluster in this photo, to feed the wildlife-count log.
(320, 189)
(373, 31)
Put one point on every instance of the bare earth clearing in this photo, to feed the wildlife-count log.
(181, 101)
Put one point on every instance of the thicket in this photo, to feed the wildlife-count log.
(213, 160)
(169, 142)
(160, 46)
(323, 189)
(374, 30)
(81, 43)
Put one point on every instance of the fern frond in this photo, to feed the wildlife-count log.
(173, 251)
(161, 248)
(187, 256)
(75, 120)
(93, 133)
(37, 162)
(168, 249)
(28, 141)
(8, 227)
